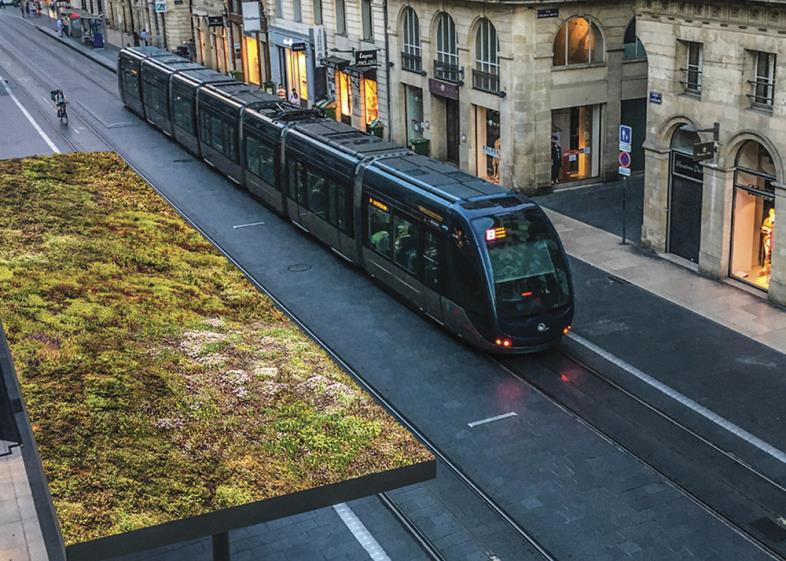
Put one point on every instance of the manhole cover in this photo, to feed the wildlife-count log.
(299, 268)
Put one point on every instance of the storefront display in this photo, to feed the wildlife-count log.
(577, 132)
(754, 216)
(344, 97)
(413, 106)
(251, 60)
(370, 100)
(488, 143)
(297, 74)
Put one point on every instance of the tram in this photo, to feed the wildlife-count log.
(481, 261)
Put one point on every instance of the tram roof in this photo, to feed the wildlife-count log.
(201, 75)
(348, 139)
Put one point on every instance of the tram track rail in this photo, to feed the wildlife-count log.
(606, 435)
(385, 498)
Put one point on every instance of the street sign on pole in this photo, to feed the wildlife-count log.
(160, 6)
(626, 138)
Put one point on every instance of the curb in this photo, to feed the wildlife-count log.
(98, 60)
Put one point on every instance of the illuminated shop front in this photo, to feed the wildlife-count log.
(488, 145)
(251, 60)
(343, 97)
(753, 220)
(370, 100)
(577, 133)
(292, 66)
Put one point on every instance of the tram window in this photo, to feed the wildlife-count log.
(405, 243)
(379, 230)
(431, 259)
(184, 111)
(332, 214)
(317, 194)
(344, 208)
(259, 160)
(217, 134)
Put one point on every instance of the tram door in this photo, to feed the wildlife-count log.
(452, 129)
(686, 182)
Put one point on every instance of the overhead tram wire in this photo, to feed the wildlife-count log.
(525, 535)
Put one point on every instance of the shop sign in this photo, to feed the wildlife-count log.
(298, 47)
(160, 6)
(489, 151)
(443, 89)
(215, 21)
(656, 98)
(366, 58)
(251, 16)
(703, 151)
(686, 166)
(548, 13)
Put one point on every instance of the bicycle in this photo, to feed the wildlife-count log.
(60, 102)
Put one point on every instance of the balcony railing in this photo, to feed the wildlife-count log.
(486, 81)
(412, 62)
(693, 79)
(763, 92)
(448, 72)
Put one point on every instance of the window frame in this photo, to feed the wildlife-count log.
(270, 179)
(367, 20)
(341, 17)
(486, 72)
(412, 53)
(695, 69)
(398, 217)
(594, 29)
(297, 11)
(318, 19)
(766, 81)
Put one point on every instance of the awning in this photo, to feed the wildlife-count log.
(361, 70)
(335, 62)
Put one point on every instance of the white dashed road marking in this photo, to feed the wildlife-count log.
(247, 225)
(361, 533)
(474, 424)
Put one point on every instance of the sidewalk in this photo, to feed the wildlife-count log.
(20, 533)
(106, 57)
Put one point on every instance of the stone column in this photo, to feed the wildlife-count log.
(716, 221)
(656, 198)
(778, 278)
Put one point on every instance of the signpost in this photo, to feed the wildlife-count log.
(626, 140)
(704, 151)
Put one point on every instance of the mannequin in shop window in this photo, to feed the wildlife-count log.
(495, 160)
(767, 227)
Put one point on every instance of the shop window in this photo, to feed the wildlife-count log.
(371, 100)
(260, 160)
(578, 41)
(693, 71)
(367, 15)
(344, 91)
(341, 17)
(633, 47)
(753, 221)
(297, 76)
(488, 143)
(575, 143)
(410, 55)
(379, 223)
(251, 62)
(446, 67)
(485, 75)
(413, 106)
(763, 84)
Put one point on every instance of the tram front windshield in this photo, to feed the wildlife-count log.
(529, 268)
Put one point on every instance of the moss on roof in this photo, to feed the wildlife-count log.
(159, 382)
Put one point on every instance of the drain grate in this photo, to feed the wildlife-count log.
(299, 268)
(769, 529)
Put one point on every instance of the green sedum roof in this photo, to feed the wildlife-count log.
(160, 384)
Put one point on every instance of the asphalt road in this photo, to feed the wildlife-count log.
(578, 493)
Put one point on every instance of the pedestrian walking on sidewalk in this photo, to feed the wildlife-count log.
(59, 26)
(27, 8)
(22, 8)
(38, 9)
(144, 36)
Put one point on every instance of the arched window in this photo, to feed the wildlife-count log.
(446, 67)
(634, 49)
(578, 41)
(754, 215)
(410, 55)
(486, 74)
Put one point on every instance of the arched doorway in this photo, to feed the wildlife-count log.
(686, 180)
(753, 215)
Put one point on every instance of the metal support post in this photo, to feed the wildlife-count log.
(624, 210)
(221, 546)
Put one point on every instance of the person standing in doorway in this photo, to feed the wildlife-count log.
(556, 159)
(294, 98)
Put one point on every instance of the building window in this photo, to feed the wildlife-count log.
(633, 48)
(578, 41)
(764, 83)
(446, 67)
(298, 10)
(410, 56)
(341, 17)
(318, 12)
(485, 76)
(753, 221)
(575, 138)
(366, 13)
(693, 71)
(279, 8)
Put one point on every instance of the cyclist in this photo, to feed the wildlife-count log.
(60, 102)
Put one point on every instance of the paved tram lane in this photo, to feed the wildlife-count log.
(579, 494)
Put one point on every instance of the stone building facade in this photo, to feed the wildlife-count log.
(168, 30)
(332, 52)
(717, 62)
(525, 93)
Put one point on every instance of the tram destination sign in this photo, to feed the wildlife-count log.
(703, 151)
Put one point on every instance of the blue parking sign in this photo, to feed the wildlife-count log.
(626, 134)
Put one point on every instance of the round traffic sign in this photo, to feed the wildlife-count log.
(624, 159)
